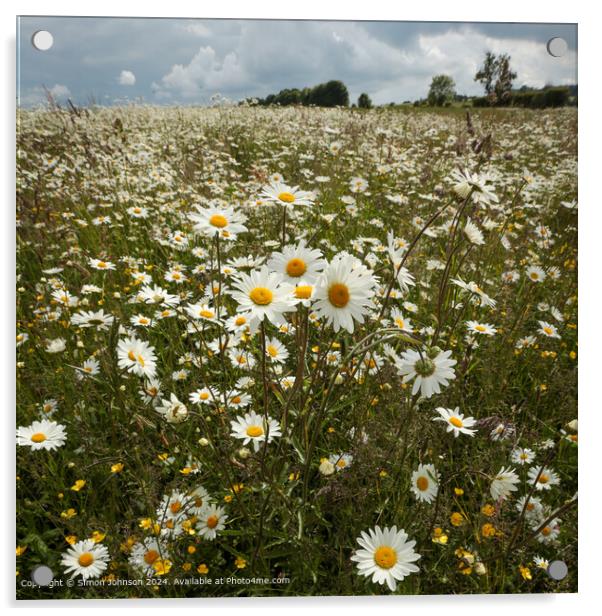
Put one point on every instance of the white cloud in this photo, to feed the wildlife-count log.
(127, 78)
(39, 95)
(60, 91)
(204, 75)
(197, 29)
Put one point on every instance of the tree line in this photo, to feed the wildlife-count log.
(497, 77)
(495, 74)
(332, 93)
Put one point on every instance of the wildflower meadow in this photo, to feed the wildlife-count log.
(270, 351)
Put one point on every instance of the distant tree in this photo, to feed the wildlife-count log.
(364, 101)
(496, 77)
(330, 94)
(487, 73)
(442, 90)
(505, 77)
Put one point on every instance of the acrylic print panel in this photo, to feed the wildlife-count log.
(295, 319)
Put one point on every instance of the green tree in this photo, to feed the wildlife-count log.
(442, 90)
(486, 74)
(505, 77)
(364, 101)
(330, 94)
(496, 77)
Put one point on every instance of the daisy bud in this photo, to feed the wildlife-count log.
(326, 467)
(244, 453)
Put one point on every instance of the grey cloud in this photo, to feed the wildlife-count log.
(190, 60)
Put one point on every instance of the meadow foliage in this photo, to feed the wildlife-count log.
(309, 351)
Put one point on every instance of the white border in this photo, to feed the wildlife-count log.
(590, 152)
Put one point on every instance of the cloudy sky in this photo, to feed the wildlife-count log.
(184, 61)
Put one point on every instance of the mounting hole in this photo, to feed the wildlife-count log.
(558, 570)
(557, 47)
(42, 40)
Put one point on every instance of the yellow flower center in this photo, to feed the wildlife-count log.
(303, 291)
(543, 478)
(287, 197)
(143, 321)
(38, 437)
(456, 421)
(204, 396)
(261, 296)
(480, 328)
(548, 330)
(385, 557)
(212, 521)
(546, 530)
(151, 556)
(341, 463)
(254, 431)
(272, 350)
(217, 220)
(534, 276)
(86, 559)
(400, 323)
(240, 321)
(338, 294)
(422, 483)
(102, 264)
(235, 400)
(175, 507)
(296, 267)
(208, 314)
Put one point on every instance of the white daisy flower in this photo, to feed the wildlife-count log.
(549, 533)
(42, 434)
(546, 480)
(386, 555)
(218, 220)
(263, 295)
(276, 351)
(473, 233)
(547, 329)
(287, 196)
(205, 395)
(98, 320)
(425, 483)
(456, 422)
(535, 273)
(137, 357)
(86, 559)
(58, 345)
(211, 520)
(340, 461)
(173, 410)
(504, 483)
(430, 370)
(343, 293)
(296, 262)
(403, 323)
(253, 428)
(533, 509)
(147, 553)
(481, 328)
(522, 455)
(99, 264)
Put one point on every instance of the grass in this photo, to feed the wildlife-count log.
(288, 522)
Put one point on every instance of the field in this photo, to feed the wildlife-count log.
(296, 351)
